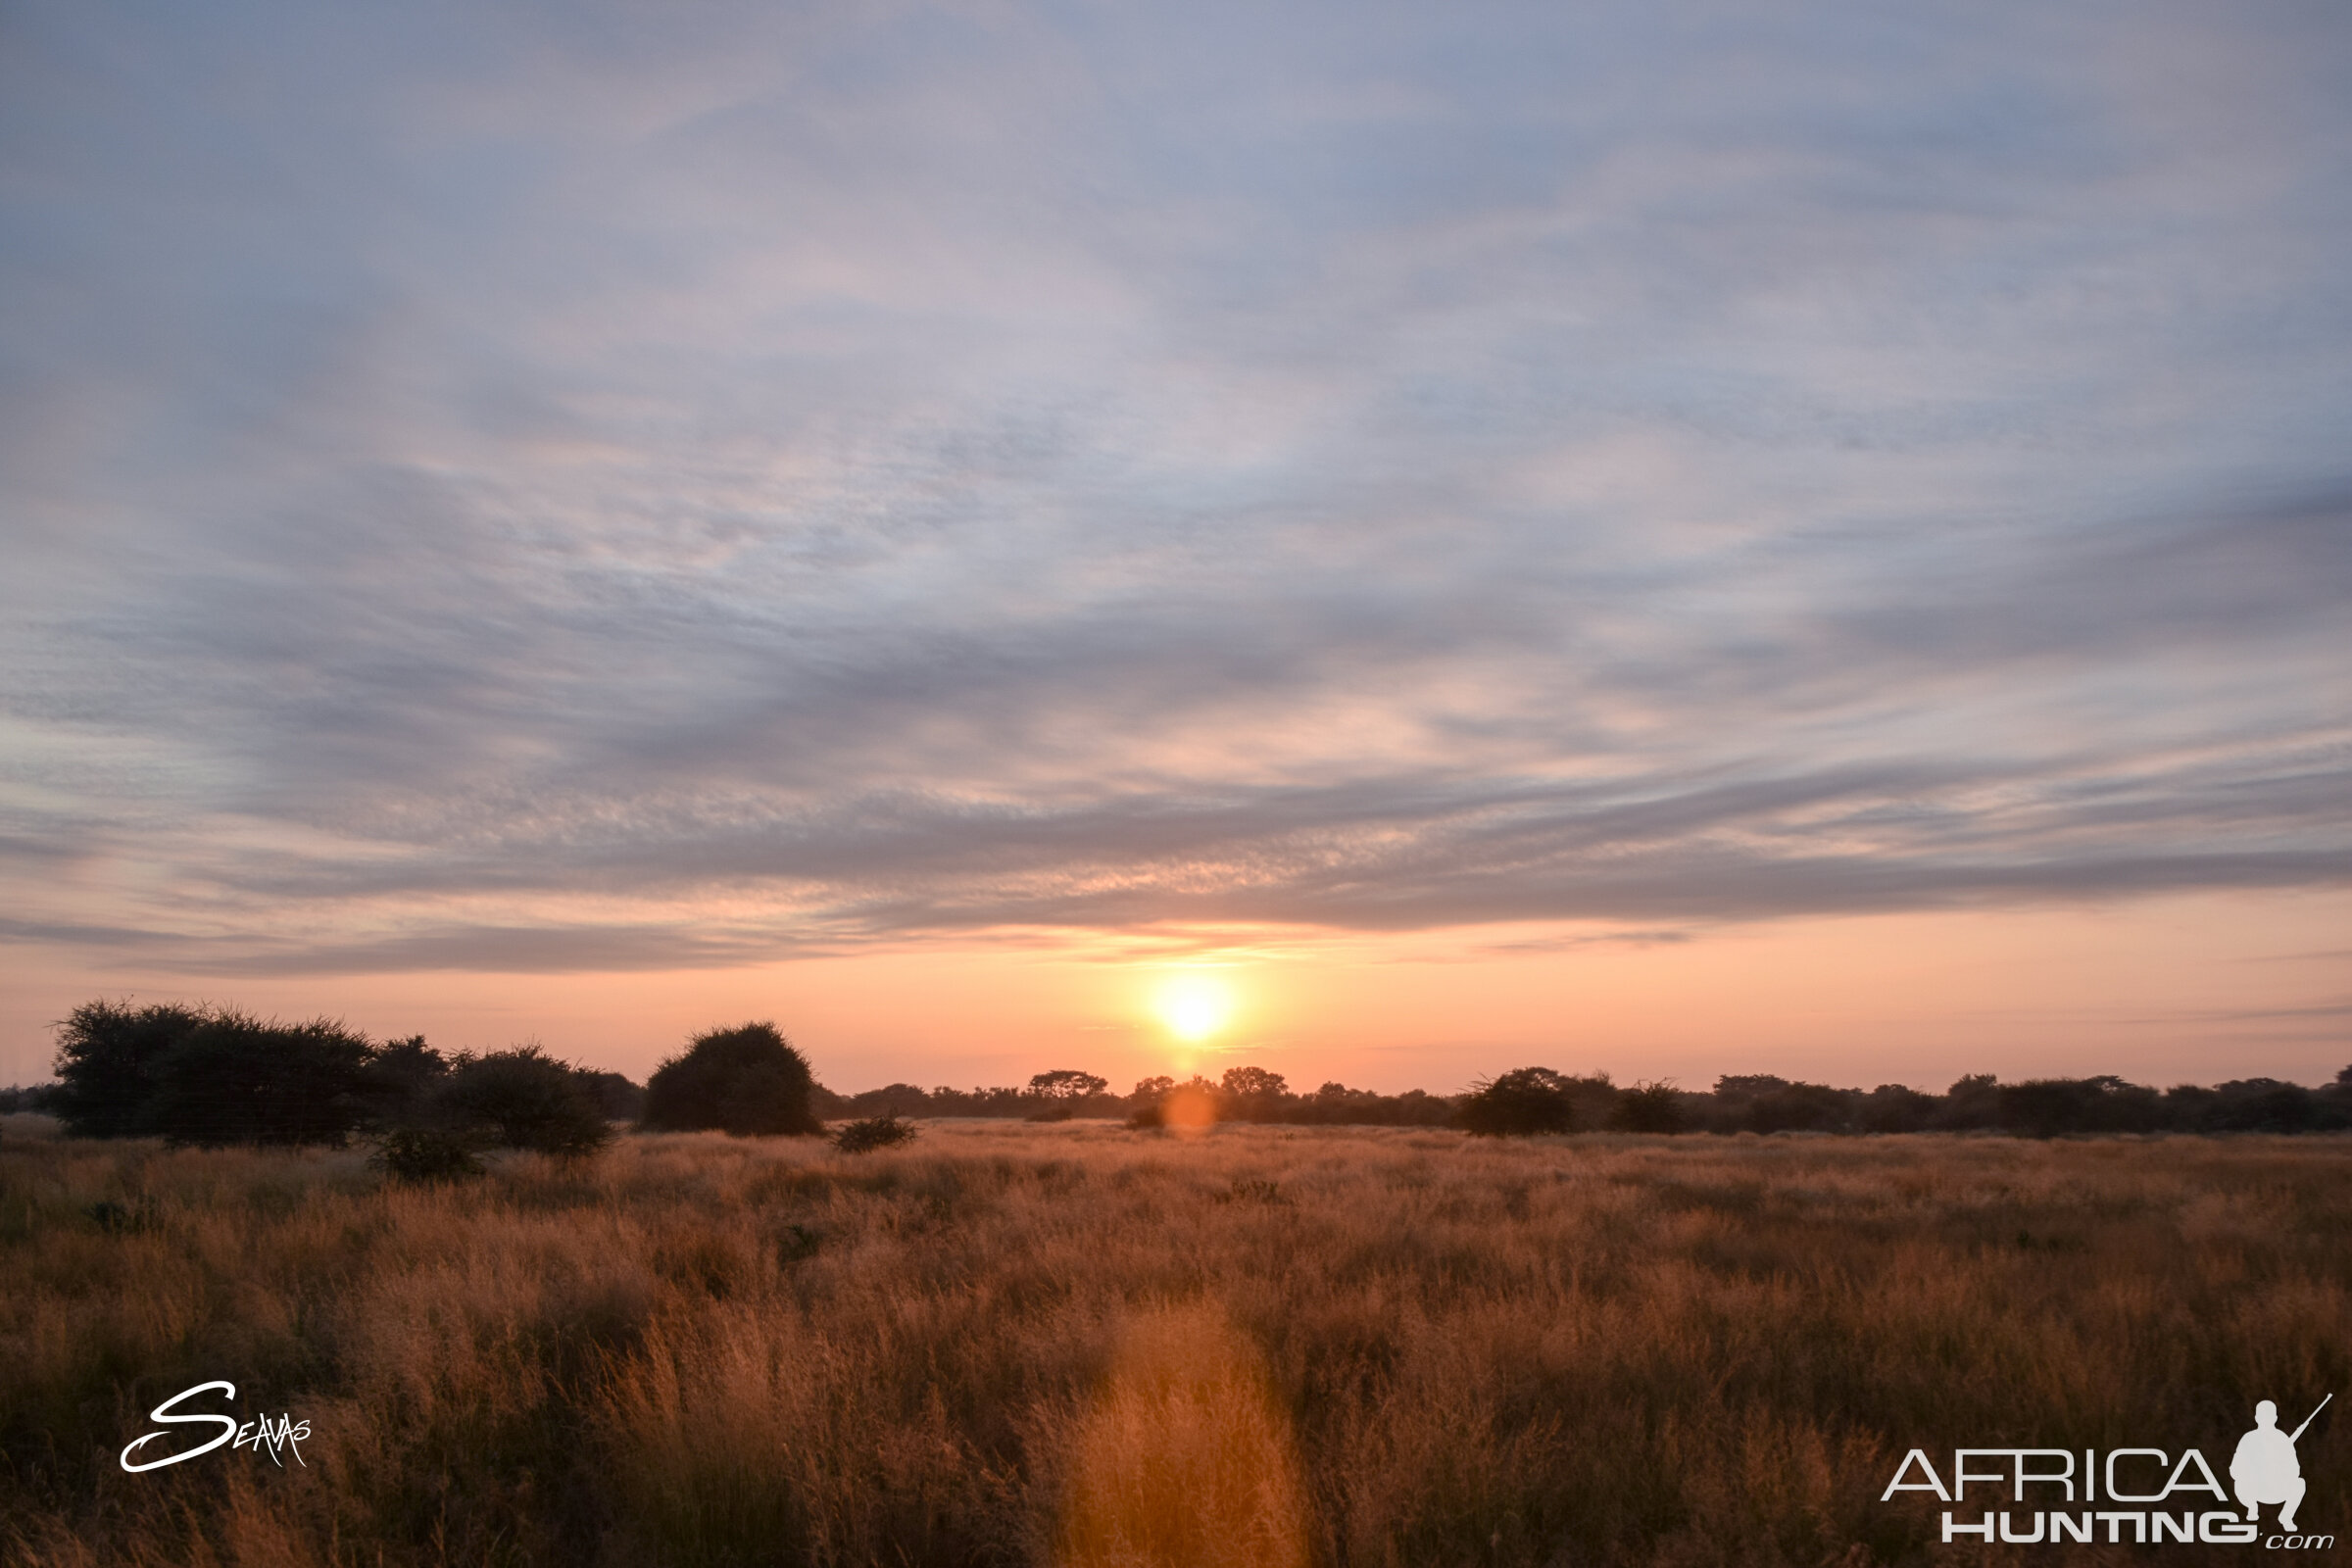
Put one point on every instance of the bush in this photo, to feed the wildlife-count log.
(525, 1099)
(236, 1080)
(1649, 1108)
(615, 1096)
(105, 1055)
(1896, 1109)
(876, 1132)
(402, 1077)
(1522, 1102)
(422, 1155)
(746, 1081)
(1799, 1108)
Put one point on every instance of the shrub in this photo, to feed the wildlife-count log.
(422, 1155)
(875, 1132)
(1972, 1102)
(614, 1094)
(2045, 1107)
(1649, 1108)
(525, 1099)
(40, 1098)
(1522, 1102)
(403, 1076)
(234, 1079)
(1896, 1109)
(105, 1055)
(1798, 1108)
(2265, 1105)
(746, 1081)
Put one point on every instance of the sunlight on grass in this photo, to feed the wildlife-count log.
(1184, 1456)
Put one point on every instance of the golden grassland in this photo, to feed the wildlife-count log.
(1077, 1344)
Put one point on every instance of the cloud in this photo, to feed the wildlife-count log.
(609, 488)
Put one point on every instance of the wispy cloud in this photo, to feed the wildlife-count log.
(616, 488)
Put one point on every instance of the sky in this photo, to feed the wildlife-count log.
(1659, 538)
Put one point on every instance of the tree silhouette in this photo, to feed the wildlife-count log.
(1254, 1083)
(525, 1099)
(1067, 1083)
(105, 1064)
(234, 1079)
(1523, 1100)
(747, 1081)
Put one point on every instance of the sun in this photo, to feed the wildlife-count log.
(1194, 1007)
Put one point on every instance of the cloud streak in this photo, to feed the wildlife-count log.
(506, 498)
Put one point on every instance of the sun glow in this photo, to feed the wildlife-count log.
(1194, 1007)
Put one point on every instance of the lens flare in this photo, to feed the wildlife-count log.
(1194, 1007)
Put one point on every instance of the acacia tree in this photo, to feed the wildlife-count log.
(234, 1079)
(1254, 1083)
(1523, 1100)
(105, 1064)
(1067, 1083)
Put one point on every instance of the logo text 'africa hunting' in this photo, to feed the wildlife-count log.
(2264, 1472)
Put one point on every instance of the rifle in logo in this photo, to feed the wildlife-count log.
(2265, 1469)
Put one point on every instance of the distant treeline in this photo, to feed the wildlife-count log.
(1243, 1094)
(1539, 1099)
(218, 1076)
(1533, 1100)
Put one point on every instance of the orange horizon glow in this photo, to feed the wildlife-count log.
(2165, 991)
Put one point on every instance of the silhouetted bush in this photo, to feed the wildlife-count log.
(1145, 1101)
(2045, 1107)
(424, 1154)
(1896, 1108)
(1522, 1102)
(877, 1131)
(747, 1081)
(2265, 1105)
(891, 1100)
(524, 1099)
(1800, 1107)
(402, 1077)
(40, 1099)
(1649, 1108)
(105, 1055)
(1972, 1102)
(617, 1097)
(234, 1079)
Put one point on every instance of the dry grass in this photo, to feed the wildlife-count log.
(1076, 1345)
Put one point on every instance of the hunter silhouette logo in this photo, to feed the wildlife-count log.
(2264, 1468)
(2265, 1471)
